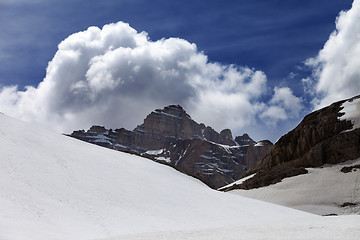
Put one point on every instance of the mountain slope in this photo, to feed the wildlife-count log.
(56, 187)
(325, 190)
(325, 136)
(172, 137)
(325, 149)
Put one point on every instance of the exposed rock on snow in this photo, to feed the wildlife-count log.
(172, 137)
(350, 169)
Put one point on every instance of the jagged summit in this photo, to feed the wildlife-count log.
(173, 111)
(244, 139)
(163, 125)
(171, 136)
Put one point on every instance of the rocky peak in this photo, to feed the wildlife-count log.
(164, 125)
(226, 137)
(98, 129)
(171, 122)
(244, 140)
(172, 137)
(173, 111)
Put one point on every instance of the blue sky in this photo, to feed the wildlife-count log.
(274, 36)
(271, 36)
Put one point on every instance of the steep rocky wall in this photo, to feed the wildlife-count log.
(319, 139)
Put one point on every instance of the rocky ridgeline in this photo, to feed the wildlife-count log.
(172, 137)
(322, 137)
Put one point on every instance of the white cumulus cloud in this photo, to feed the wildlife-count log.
(337, 66)
(283, 105)
(114, 76)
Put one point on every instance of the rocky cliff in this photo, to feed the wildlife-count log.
(172, 137)
(213, 163)
(328, 135)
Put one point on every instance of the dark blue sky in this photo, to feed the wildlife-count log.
(269, 35)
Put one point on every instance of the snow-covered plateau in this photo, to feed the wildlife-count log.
(56, 187)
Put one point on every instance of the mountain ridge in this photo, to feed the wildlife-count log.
(172, 137)
(325, 136)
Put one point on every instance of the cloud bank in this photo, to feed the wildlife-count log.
(114, 76)
(336, 69)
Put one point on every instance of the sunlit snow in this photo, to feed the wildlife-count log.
(352, 112)
(56, 187)
(322, 191)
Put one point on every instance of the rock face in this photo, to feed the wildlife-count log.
(213, 163)
(322, 137)
(255, 150)
(172, 137)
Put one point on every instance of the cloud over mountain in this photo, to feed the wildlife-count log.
(115, 75)
(336, 69)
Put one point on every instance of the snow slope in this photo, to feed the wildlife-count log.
(324, 229)
(238, 182)
(351, 110)
(56, 187)
(322, 191)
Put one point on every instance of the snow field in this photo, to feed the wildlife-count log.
(321, 191)
(334, 228)
(55, 187)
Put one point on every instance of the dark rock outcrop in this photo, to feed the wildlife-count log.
(172, 137)
(319, 139)
(350, 169)
(244, 140)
